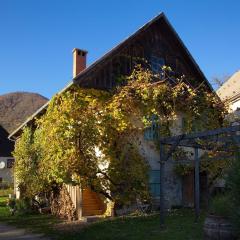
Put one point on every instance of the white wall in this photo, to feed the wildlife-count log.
(234, 105)
(173, 183)
(6, 173)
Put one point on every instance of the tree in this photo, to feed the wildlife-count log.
(26, 166)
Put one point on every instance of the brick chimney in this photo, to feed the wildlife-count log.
(79, 61)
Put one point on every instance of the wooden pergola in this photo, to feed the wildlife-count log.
(227, 137)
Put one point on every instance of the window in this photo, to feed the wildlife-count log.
(154, 183)
(152, 132)
(157, 63)
(1, 179)
(10, 163)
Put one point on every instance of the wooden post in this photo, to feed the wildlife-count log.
(197, 187)
(208, 191)
(162, 163)
(79, 202)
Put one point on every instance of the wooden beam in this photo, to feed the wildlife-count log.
(170, 140)
(173, 147)
(220, 158)
(162, 166)
(190, 141)
(197, 185)
(79, 202)
(193, 144)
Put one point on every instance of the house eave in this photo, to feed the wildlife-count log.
(16, 132)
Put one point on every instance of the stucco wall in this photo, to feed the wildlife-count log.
(173, 183)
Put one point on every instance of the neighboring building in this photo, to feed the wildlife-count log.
(229, 93)
(6, 159)
(159, 44)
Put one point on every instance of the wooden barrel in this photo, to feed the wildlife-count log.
(218, 228)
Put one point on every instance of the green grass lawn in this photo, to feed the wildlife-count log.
(35, 222)
(179, 225)
(6, 192)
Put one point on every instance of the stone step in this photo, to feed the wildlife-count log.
(92, 209)
(92, 213)
(91, 219)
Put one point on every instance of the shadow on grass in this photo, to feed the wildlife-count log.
(179, 225)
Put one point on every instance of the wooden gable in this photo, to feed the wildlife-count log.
(157, 39)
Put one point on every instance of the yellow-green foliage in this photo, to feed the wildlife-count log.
(27, 164)
(92, 137)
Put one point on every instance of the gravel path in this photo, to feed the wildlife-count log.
(12, 233)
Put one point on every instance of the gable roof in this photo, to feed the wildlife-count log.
(81, 76)
(121, 45)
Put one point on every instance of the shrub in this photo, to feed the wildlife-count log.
(233, 183)
(220, 205)
(11, 203)
(6, 188)
(4, 185)
(6, 192)
(23, 206)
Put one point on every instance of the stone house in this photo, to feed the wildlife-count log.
(229, 93)
(159, 44)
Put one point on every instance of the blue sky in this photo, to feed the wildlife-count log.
(37, 36)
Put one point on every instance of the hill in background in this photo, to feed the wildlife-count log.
(16, 107)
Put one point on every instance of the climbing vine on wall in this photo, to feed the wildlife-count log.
(93, 137)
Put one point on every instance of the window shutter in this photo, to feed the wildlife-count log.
(152, 132)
